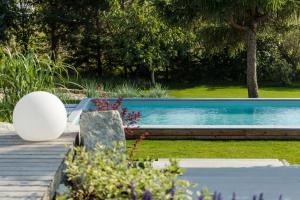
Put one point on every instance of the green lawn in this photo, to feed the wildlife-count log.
(210, 91)
(287, 150)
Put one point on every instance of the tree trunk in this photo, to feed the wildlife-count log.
(98, 42)
(125, 72)
(153, 77)
(54, 42)
(99, 64)
(251, 64)
(167, 74)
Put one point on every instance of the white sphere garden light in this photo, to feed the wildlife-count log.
(39, 116)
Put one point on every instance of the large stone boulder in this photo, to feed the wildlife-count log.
(104, 127)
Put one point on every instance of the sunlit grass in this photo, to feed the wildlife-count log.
(211, 91)
(283, 150)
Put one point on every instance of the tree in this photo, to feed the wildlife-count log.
(244, 16)
(289, 47)
(88, 30)
(4, 20)
(142, 39)
(53, 16)
(23, 14)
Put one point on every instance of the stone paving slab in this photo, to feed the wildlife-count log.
(221, 163)
(246, 182)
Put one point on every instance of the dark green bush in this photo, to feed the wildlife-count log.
(271, 66)
(224, 67)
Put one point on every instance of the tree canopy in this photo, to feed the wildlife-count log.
(161, 39)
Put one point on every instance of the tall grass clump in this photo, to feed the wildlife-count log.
(125, 89)
(21, 74)
(157, 91)
(91, 88)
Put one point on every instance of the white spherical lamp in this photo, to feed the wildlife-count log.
(39, 116)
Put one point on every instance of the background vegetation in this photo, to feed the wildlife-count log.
(140, 40)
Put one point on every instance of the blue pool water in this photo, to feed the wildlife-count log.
(226, 112)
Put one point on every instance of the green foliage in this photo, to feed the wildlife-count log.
(91, 88)
(133, 38)
(21, 22)
(24, 73)
(4, 20)
(221, 10)
(142, 39)
(157, 91)
(289, 48)
(124, 90)
(271, 66)
(218, 16)
(106, 174)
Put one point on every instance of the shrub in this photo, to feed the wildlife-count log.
(271, 66)
(106, 174)
(21, 74)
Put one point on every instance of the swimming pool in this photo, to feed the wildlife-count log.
(216, 112)
(215, 116)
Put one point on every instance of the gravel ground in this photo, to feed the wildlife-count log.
(73, 96)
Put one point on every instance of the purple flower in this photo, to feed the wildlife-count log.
(133, 193)
(233, 196)
(201, 197)
(172, 191)
(215, 196)
(219, 196)
(147, 195)
(261, 196)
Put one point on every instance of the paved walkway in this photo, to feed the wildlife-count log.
(272, 181)
(245, 177)
(221, 163)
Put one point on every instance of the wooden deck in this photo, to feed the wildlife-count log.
(31, 170)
